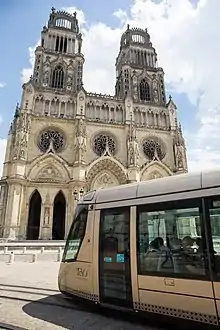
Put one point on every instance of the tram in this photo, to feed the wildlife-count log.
(150, 246)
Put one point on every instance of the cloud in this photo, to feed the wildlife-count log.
(2, 154)
(2, 84)
(185, 41)
(27, 72)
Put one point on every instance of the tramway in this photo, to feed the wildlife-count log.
(151, 247)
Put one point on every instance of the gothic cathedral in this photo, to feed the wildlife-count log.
(65, 141)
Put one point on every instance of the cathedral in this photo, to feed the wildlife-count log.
(65, 141)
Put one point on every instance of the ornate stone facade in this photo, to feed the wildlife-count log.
(64, 141)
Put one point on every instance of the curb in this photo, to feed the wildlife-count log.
(4, 326)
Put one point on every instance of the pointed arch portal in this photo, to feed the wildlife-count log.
(59, 216)
(33, 226)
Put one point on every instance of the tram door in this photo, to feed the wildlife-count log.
(114, 257)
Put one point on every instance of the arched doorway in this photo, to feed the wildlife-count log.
(59, 215)
(33, 226)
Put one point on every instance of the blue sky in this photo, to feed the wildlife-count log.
(28, 17)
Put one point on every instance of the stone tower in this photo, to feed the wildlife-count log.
(64, 141)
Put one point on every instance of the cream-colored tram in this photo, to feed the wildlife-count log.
(152, 246)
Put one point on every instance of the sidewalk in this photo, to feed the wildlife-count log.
(29, 298)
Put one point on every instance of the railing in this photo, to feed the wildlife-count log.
(23, 255)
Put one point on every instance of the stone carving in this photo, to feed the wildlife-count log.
(133, 148)
(23, 147)
(47, 199)
(102, 142)
(46, 78)
(79, 75)
(154, 149)
(135, 88)
(105, 179)
(179, 158)
(69, 82)
(52, 138)
(155, 90)
(50, 173)
(29, 90)
(46, 216)
(22, 130)
(109, 165)
(154, 175)
(80, 142)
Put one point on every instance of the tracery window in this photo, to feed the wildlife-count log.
(154, 147)
(50, 138)
(57, 77)
(101, 142)
(144, 90)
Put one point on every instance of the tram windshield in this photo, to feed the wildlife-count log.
(76, 233)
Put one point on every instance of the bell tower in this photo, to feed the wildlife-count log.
(58, 60)
(137, 73)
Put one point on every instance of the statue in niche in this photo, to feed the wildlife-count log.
(133, 153)
(46, 216)
(46, 77)
(23, 146)
(135, 88)
(155, 90)
(131, 157)
(80, 145)
(137, 153)
(179, 158)
(69, 81)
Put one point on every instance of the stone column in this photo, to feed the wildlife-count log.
(13, 211)
(3, 206)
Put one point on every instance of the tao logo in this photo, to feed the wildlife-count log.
(82, 272)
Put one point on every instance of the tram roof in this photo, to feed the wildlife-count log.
(166, 185)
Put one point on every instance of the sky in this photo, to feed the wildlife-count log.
(185, 33)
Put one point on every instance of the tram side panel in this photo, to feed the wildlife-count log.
(76, 277)
(213, 213)
(187, 299)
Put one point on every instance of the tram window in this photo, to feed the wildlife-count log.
(115, 231)
(76, 233)
(214, 214)
(170, 239)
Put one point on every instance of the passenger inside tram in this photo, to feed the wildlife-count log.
(179, 256)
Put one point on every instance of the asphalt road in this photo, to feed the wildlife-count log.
(29, 299)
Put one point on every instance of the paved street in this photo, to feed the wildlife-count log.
(29, 299)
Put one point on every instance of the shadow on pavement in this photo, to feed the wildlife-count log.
(67, 314)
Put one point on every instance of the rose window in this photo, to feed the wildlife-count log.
(51, 138)
(154, 147)
(101, 142)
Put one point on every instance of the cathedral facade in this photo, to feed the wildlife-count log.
(65, 141)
